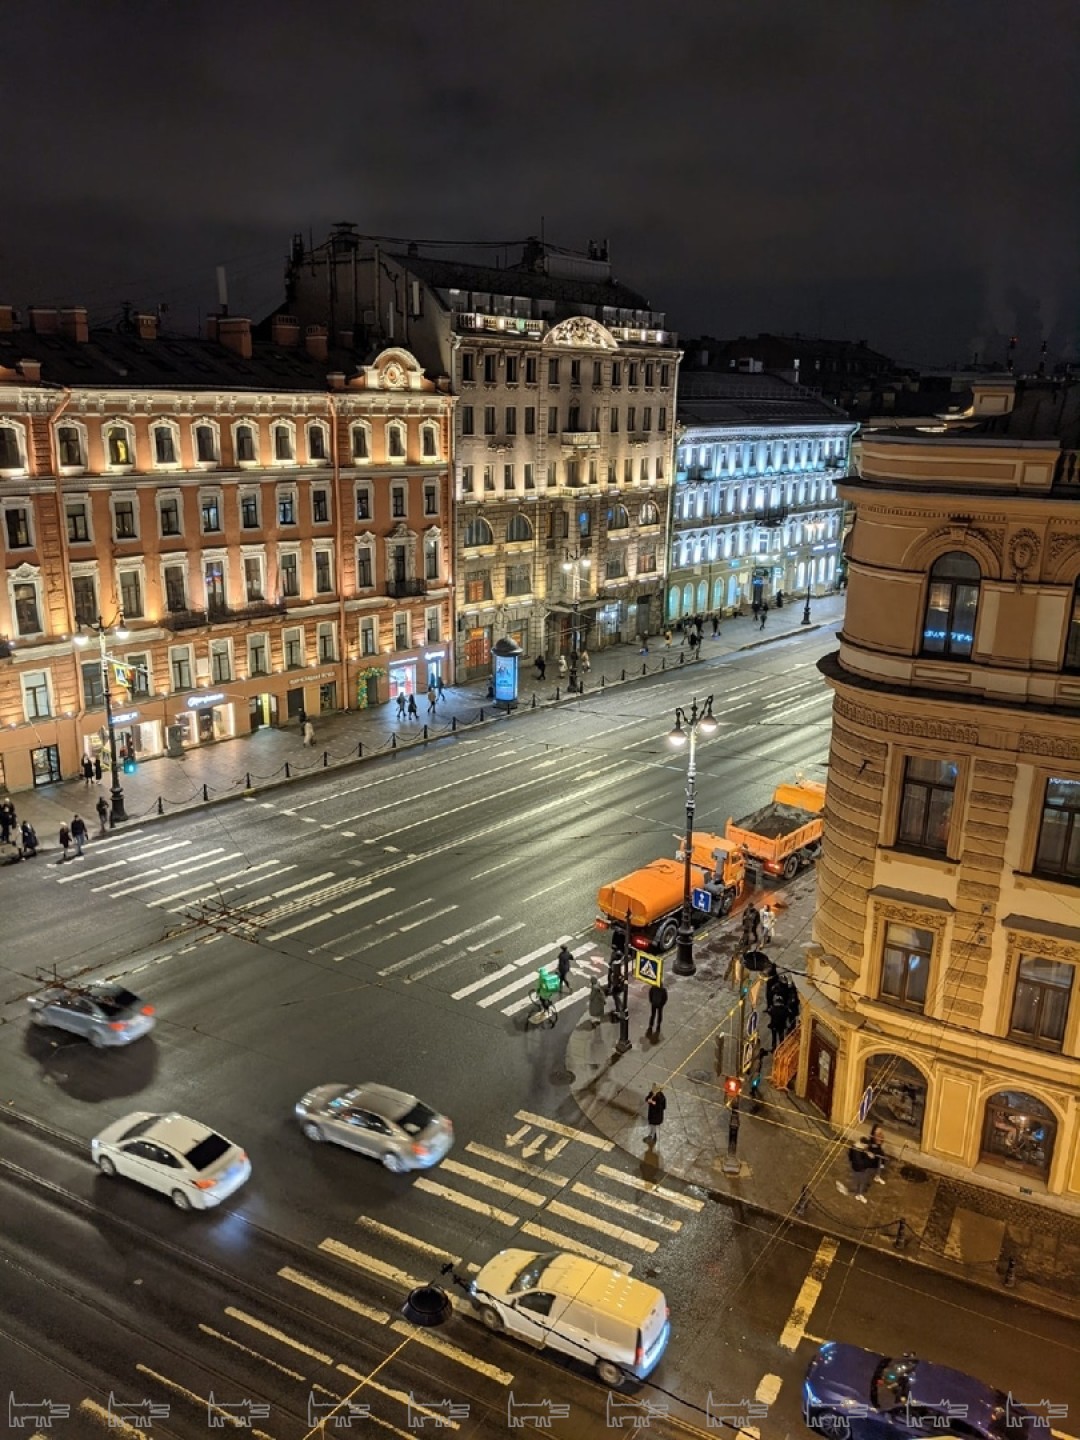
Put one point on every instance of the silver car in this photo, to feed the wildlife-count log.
(184, 1159)
(102, 1014)
(378, 1121)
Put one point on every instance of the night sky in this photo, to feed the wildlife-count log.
(903, 171)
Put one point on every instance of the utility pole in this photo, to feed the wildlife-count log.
(732, 1164)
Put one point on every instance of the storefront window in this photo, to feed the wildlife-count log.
(1019, 1133)
(899, 1089)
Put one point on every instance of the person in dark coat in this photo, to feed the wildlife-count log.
(29, 840)
(414, 714)
(658, 997)
(751, 927)
(778, 1019)
(867, 1162)
(87, 770)
(65, 841)
(78, 833)
(401, 704)
(97, 768)
(774, 985)
(597, 1002)
(102, 808)
(656, 1104)
(563, 961)
(541, 667)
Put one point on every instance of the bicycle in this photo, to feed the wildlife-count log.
(542, 1010)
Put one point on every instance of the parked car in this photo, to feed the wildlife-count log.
(850, 1393)
(184, 1159)
(387, 1124)
(103, 1014)
(582, 1308)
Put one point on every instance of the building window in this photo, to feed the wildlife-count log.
(511, 420)
(363, 503)
(206, 449)
(429, 442)
(118, 445)
(253, 579)
(1057, 854)
(316, 442)
(431, 558)
(320, 506)
(511, 369)
(468, 365)
(324, 580)
(518, 579)
(214, 580)
(175, 589)
(93, 684)
(220, 661)
(478, 532)
(84, 593)
(508, 477)
(283, 442)
(530, 476)
(258, 655)
(1019, 1133)
(431, 500)
(69, 444)
(490, 375)
(286, 507)
(245, 445)
(365, 569)
(649, 514)
(477, 586)
(926, 802)
(36, 703)
(17, 525)
(553, 419)
(632, 373)
(1041, 1002)
(290, 574)
(467, 420)
(665, 376)
(293, 648)
(211, 513)
(368, 637)
(124, 520)
(432, 625)
(397, 502)
(164, 445)
(530, 419)
(169, 516)
(489, 478)
(618, 518)
(951, 603)
(361, 443)
(27, 615)
(180, 667)
(553, 372)
(402, 637)
(489, 419)
(326, 640)
(646, 561)
(615, 568)
(131, 602)
(466, 479)
(905, 965)
(519, 529)
(530, 370)
(395, 440)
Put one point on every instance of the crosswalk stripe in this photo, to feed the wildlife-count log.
(164, 849)
(113, 842)
(554, 1127)
(400, 1237)
(426, 919)
(605, 1227)
(562, 1000)
(463, 954)
(439, 946)
(466, 1202)
(509, 969)
(92, 874)
(688, 1202)
(329, 914)
(567, 1242)
(443, 1422)
(381, 939)
(218, 890)
(281, 1335)
(452, 1352)
(163, 879)
(625, 1207)
(373, 1266)
(211, 887)
(524, 979)
(336, 1297)
(494, 1182)
(499, 1157)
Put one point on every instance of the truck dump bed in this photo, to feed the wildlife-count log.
(773, 822)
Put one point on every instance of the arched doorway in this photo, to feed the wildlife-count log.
(1019, 1133)
(688, 599)
(673, 603)
(718, 593)
(899, 1088)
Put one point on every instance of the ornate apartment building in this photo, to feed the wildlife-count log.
(945, 979)
(259, 531)
(564, 436)
(755, 511)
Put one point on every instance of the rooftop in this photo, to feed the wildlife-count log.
(729, 397)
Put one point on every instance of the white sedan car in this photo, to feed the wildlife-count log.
(192, 1164)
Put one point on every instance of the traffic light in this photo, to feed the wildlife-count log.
(733, 1086)
(129, 766)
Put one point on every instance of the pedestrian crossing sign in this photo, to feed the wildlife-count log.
(649, 968)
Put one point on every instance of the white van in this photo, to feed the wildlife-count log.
(614, 1323)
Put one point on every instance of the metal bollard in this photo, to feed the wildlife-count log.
(602, 682)
(205, 792)
(393, 741)
(247, 780)
(1010, 1273)
(481, 713)
(682, 658)
(803, 1202)
(453, 723)
(425, 730)
(624, 674)
(533, 705)
(288, 772)
(556, 692)
(901, 1234)
(160, 807)
(644, 667)
(325, 758)
(359, 750)
(663, 662)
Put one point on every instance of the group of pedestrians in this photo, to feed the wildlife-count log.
(91, 769)
(23, 837)
(406, 702)
(76, 833)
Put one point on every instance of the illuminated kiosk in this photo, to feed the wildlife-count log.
(506, 658)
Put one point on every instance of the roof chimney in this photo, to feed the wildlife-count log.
(285, 331)
(146, 326)
(44, 321)
(7, 319)
(30, 369)
(315, 342)
(336, 380)
(211, 327)
(235, 334)
(74, 325)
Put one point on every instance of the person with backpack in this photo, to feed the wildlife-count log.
(102, 808)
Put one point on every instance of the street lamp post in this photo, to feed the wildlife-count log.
(704, 722)
(116, 792)
(806, 607)
(574, 563)
(814, 528)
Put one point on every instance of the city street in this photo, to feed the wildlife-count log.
(387, 923)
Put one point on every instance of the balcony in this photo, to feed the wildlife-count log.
(402, 589)
(771, 517)
(581, 439)
(222, 614)
(525, 326)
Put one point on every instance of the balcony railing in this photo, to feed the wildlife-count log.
(401, 589)
(222, 614)
(581, 439)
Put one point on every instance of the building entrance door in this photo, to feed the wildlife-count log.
(821, 1073)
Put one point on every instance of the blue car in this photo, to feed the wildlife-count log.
(853, 1394)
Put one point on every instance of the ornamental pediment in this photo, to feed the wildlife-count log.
(581, 332)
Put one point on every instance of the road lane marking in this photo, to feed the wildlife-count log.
(567, 1242)
(499, 1157)
(425, 919)
(545, 891)
(626, 1207)
(510, 968)
(463, 954)
(596, 1141)
(494, 1182)
(303, 885)
(363, 1261)
(438, 946)
(247, 1350)
(369, 1417)
(88, 874)
(329, 914)
(793, 1332)
(466, 1202)
(383, 920)
(442, 1422)
(562, 1000)
(203, 1401)
(109, 1418)
(605, 1227)
(646, 1187)
(163, 879)
(213, 887)
(205, 865)
(514, 860)
(164, 849)
(336, 1297)
(278, 1335)
(498, 995)
(387, 1232)
(452, 1352)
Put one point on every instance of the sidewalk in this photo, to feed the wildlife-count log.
(791, 1158)
(229, 768)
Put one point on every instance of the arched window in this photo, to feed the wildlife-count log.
(395, 440)
(207, 442)
(650, 515)
(1019, 1133)
(244, 441)
(618, 518)
(12, 446)
(520, 528)
(429, 442)
(166, 444)
(318, 441)
(284, 437)
(360, 442)
(899, 1089)
(673, 603)
(702, 596)
(951, 602)
(118, 444)
(478, 532)
(688, 599)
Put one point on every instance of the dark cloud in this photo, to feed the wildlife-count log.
(899, 170)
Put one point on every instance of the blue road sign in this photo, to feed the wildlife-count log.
(701, 900)
(752, 1023)
(865, 1103)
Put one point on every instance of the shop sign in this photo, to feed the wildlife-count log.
(125, 718)
(434, 654)
(197, 702)
(318, 679)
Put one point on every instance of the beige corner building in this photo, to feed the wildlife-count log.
(944, 970)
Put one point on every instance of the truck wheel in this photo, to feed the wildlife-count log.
(726, 902)
(791, 867)
(667, 934)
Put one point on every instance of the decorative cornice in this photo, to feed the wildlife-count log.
(917, 726)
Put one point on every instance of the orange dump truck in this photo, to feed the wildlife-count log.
(649, 900)
(785, 836)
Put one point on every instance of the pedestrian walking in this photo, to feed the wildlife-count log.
(562, 664)
(866, 1160)
(596, 1002)
(644, 645)
(102, 808)
(794, 1005)
(309, 733)
(29, 840)
(65, 841)
(414, 714)
(401, 704)
(768, 924)
(440, 686)
(586, 663)
(778, 1018)
(301, 718)
(667, 639)
(431, 699)
(87, 770)
(656, 1104)
(5, 824)
(541, 667)
(97, 768)
(774, 985)
(563, 962)
(715, 627)
(658, 996)
(751, 927)
(763, 617)
(78, 834)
